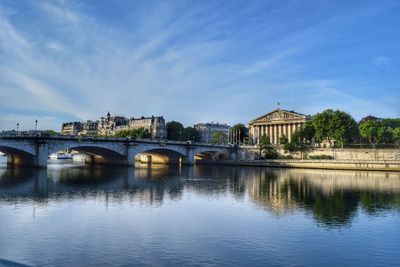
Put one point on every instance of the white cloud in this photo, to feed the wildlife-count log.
(182, 67)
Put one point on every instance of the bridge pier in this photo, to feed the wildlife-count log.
(189, 157)
(42, 155)
(233, 155)
(23, 159)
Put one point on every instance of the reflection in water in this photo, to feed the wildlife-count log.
(332, 197)
(77, 215)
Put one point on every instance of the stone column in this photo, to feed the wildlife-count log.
(279, 132)
(270, 133)
(275, 134)
(289, 132)
(251, 133)
(286, 130)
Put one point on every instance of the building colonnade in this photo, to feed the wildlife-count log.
(275, 124)
(275, 131)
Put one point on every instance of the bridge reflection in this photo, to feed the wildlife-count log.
(332, 198)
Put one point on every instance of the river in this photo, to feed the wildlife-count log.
(159, 215)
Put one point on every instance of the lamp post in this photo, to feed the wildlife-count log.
(36, 122)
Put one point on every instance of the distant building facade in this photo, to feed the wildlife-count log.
(276, 124)
(207, 130)
(155, 125)
(110, 125)
(71, 128)
(107, 125)
(89, 128)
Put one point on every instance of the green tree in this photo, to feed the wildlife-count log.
(334, 125)
(391, 122)
(321, 123)
(297, 144)
(283, 139)
(239, 132)
(373, 131)
(396, 135)
(219, 137)
(51, 132)
(301, 140)
(143, 133)
(267, 149)
(307, 132)
(342, 127)
(175, 131)
(190, 134)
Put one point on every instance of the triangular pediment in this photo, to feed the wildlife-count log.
(279, 114)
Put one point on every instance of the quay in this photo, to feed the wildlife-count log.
(357, 165)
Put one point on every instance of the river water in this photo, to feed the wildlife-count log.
(76, 215)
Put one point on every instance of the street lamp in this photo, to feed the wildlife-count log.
(36, 122)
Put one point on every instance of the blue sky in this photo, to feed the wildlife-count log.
(196, 61)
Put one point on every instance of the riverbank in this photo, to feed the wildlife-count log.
(362, 165)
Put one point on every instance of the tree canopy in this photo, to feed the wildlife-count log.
(190, 134)
(377, 132)
(301, 139)
(175, 131)
(267, 149)
(334, 125)
(219, 137)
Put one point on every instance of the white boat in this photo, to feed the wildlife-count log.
(56, 156)
(78, 157)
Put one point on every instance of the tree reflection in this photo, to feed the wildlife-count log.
(332, 198)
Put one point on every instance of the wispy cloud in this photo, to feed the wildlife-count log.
(190, 62)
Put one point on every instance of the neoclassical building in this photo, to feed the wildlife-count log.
(275, 124)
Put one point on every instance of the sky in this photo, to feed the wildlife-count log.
(196, 61)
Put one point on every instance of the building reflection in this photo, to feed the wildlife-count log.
(332, 198)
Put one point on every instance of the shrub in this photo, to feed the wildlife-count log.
(320, 157)
(286, 157)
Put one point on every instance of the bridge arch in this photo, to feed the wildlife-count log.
(212, 155)
(18, 156)
(96, 154)
(161, 155)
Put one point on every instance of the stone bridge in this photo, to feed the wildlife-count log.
(34, 150)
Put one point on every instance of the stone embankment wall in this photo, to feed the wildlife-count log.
(356, 154)
(315, 164)
(343, 159)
